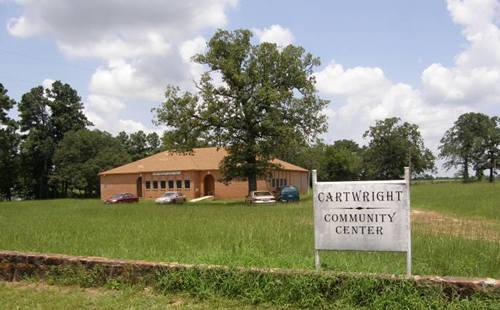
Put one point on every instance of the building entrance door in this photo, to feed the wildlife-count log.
(139, 187)
(209, 185)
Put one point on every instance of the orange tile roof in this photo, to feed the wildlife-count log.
(207, 158)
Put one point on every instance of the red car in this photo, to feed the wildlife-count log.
(123, 197)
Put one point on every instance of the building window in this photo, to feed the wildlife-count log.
(163, 184)
(170, 184)
(273, 183)
(187, 184)
(155, 184)
(179, 183)
(148, 184)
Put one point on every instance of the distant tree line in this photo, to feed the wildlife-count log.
(50, 152)
(392, 145)
(472, 143)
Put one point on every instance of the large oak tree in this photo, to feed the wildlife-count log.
(266, 103)
(393, 145)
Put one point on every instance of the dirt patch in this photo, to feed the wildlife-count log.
(92, 292)
(177, 302)
(440, 224)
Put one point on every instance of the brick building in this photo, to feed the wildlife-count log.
(195, 175)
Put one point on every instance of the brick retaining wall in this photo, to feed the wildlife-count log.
(16, 265)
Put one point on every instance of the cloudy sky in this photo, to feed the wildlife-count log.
(425, 61)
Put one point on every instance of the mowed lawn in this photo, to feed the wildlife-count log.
(456, 231)
(37, 295)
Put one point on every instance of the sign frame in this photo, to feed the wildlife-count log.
(408, 249)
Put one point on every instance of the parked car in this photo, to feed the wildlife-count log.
(123, 197)
(260, 197)
(287, 193)
(171, 197)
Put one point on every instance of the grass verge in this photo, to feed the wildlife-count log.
(303, 290)
(39, 295)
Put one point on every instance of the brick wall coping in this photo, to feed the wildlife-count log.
(37, 260)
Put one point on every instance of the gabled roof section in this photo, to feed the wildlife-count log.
(207, 158)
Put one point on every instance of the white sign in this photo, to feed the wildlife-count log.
(362, 216)
(167, 173)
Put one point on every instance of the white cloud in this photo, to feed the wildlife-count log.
(362, 95)
(47, 83)
(362, 81)
(103, 112)
(118, 48)
(144, 46)
(115, 125)
(117, 28)
(20, 28)
(475, 77)
(275, 34)
(104, 104)
(129, 125)
(125, 80)
(192, 47)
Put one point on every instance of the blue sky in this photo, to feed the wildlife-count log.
(403, 37)
(425, 61)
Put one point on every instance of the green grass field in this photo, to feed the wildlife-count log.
(456, 231)
(29, 295)
(472, 200)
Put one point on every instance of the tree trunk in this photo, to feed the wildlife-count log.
(479, 174)
(43, 189)
(252, 175)
(492, 169)
(466, 170)
(252, 182)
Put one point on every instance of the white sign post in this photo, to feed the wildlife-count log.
(362, 216)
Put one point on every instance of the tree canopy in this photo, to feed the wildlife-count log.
(81, 155)
(139, 144)
(45, 116)
(9, 143)
(265, 103)
(343, 161)
(6, 103)
(472, 141)
(394, 145)
(491, 149)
